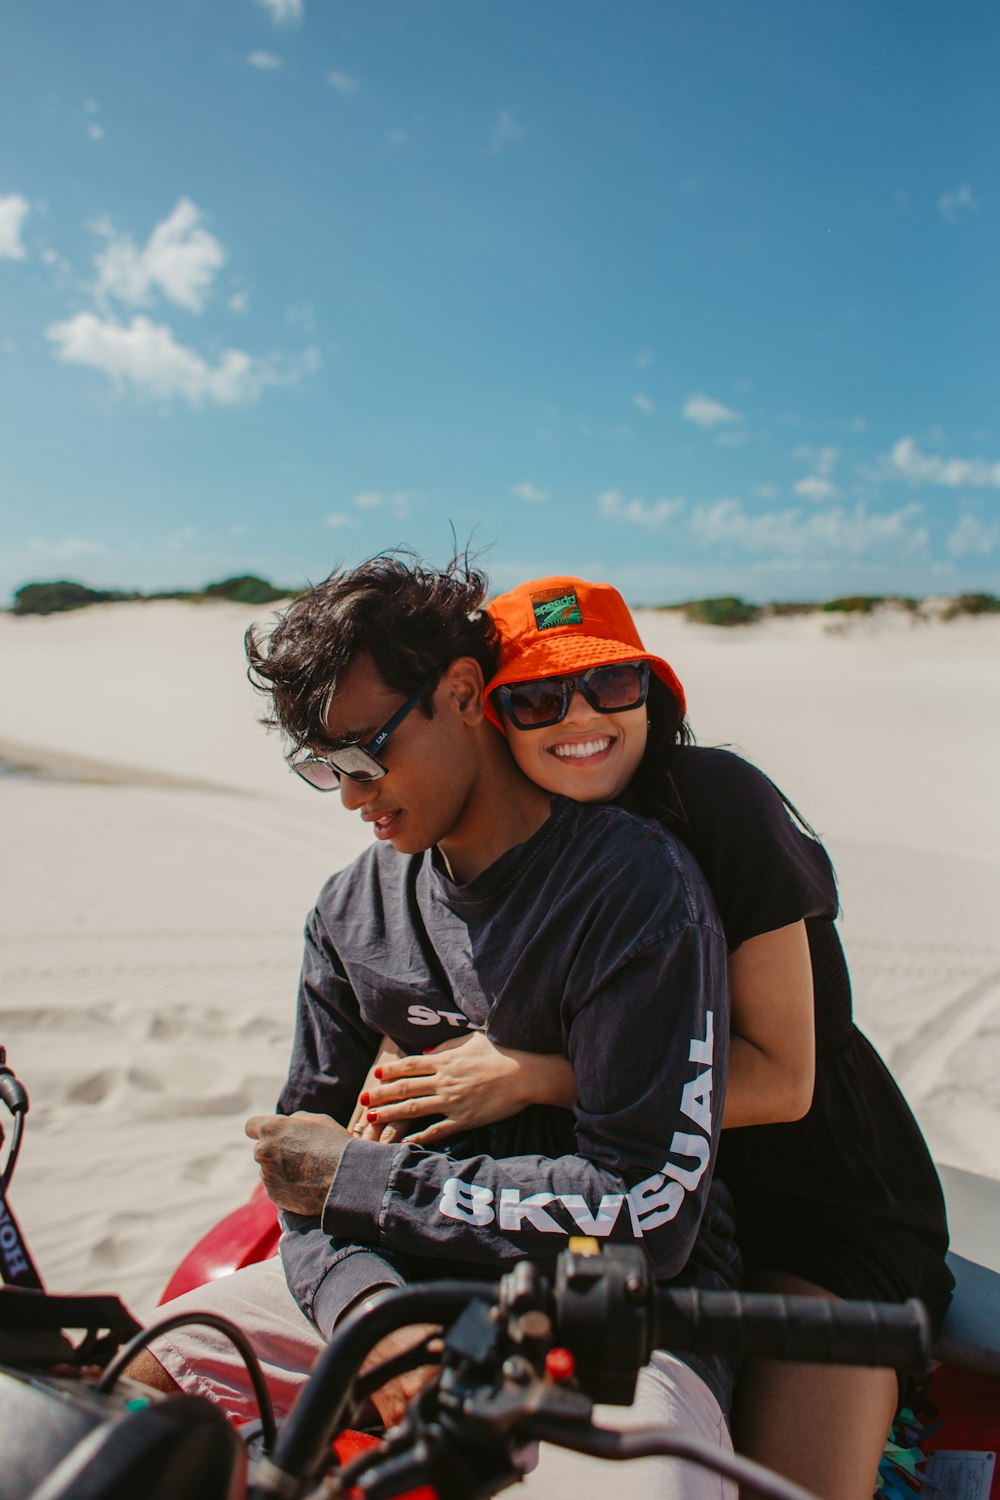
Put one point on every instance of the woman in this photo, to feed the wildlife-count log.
(836, 1194)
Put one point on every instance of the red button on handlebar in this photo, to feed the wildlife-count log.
(560, 1364)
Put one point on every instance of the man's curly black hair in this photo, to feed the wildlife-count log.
(411, 619)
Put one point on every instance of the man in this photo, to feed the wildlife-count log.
(482, 905)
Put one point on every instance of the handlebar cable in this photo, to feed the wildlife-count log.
(236, 1336)
(388, 1369)
(445, 1439)
(13, 1152)
(656, 1442)
(14, 1096)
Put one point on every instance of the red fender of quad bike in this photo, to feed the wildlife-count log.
(249, 1234)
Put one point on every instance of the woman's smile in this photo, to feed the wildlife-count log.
(590, 750)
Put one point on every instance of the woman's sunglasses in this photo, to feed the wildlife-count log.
(608, 690)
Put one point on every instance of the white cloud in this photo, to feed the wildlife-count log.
(237, 303)
(793, 533)
(823, 460)
(13, 211)
(95, 130)
(506, 132)
(644, 403)
(814, 487)
(146, 356)
(527, 491)
(283, 12)
(907, 462)
(645, 359)
(60, 267)
(708, 413)
(67, 547)
(342, 82)
(396, 504)
(613, 506)
(339, 519)
(266, 61)
(180, 258)
(302, 317)
(972, 537)
(397, 137)
(950, 204)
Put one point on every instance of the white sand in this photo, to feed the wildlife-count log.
(151, 932)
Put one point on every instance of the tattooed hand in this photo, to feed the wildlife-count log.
(298, 1156)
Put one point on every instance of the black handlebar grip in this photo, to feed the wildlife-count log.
(817, 1330)
(12, 1092)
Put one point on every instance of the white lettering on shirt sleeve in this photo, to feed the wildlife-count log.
(514, 1210)
(694, 1146)
(600, 1224)
(467, 1201)
(652, 1202)
(701, 1051)
(696, 1100)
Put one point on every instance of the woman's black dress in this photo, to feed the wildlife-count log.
(847, 1197)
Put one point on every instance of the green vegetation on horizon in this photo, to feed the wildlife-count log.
(54, 598)
(731, 610)
(62, 594)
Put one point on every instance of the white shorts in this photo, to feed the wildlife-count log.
(257, 1299)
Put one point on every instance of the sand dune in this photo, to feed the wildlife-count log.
(156, 880)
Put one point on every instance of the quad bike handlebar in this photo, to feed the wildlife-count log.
(525, 1359)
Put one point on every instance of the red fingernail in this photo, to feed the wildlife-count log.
(365, 1098)
(372, 1116)
(428, 1049)
(378, 1072)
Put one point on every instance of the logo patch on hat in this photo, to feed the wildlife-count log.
(556, 607)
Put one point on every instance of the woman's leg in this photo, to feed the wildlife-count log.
(823, 1426)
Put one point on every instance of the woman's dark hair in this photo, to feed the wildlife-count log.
(410, 619)
(653, 791)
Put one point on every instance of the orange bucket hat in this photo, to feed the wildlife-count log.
(552, 626)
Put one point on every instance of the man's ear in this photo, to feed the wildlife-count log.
(464, 683)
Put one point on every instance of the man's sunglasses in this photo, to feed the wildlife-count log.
(356, 761)
(609, 690)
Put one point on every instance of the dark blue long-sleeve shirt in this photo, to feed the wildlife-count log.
(596, 938)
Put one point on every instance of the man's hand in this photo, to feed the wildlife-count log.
(298, 1156)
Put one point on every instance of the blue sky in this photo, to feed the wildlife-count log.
(697, 297)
